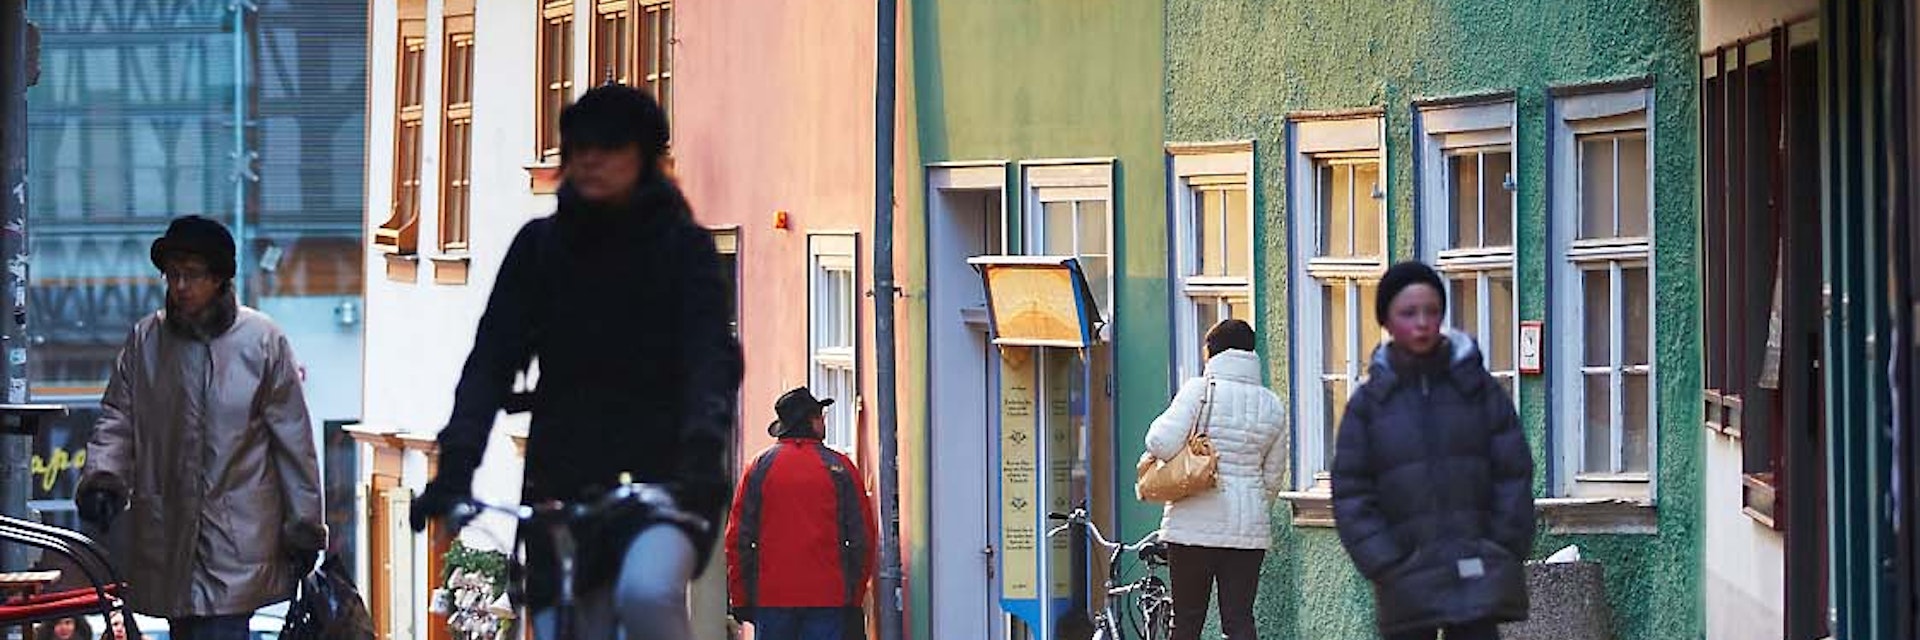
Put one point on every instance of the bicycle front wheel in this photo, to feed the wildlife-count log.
(1105, 630)
(1160, 623)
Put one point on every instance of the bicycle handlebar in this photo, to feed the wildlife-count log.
(655, 498)
(1078, 517)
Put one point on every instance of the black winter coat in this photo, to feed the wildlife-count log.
(1431, 470)
(627, 310)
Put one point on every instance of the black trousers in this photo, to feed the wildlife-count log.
(1195, 571)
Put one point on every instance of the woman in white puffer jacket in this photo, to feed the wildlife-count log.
(1221, 535)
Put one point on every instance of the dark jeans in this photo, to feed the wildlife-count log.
(232, 627)
(809, 623)
(1195, 571)
(1469, 631)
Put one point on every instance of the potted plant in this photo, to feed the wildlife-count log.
(475, 579)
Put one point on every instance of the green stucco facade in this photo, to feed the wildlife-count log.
(1016, 81)
(1021, 80)
(1236, 69)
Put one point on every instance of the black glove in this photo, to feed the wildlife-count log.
(302, 543)
(99, 506)
(451, 487)
(441, 495)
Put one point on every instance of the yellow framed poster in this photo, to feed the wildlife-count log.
(1038, 301)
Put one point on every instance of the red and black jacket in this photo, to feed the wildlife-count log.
(801, 532)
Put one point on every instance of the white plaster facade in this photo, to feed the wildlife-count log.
(418, 333)
(1745, 580)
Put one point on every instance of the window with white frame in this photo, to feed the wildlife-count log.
(1213, 250)
(1467, 223)
(726, 242)
(833, 312)
(1603, 300)
(1339, 220)
(1070, 215)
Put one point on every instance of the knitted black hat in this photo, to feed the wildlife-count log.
(194, 235)
(611, 116)
(1400, 277)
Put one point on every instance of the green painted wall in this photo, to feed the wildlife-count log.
(1015, 80)
(1235, 68)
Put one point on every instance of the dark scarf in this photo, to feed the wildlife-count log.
(1409, 366)
(213, 322)
(656, 202)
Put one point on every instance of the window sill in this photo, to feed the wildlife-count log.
(1715, 419)
(544, 178)
(389, 240)
(1311, 508)
(450, 268)
(1618, 516)
(1561, 515)
(1724, 413)
(1760, 499)
(403, 267)
(425, 443)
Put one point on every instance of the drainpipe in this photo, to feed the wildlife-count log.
(242, 157)
(15, 450)
(889, 595)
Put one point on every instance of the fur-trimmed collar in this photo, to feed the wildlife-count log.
(217, 319)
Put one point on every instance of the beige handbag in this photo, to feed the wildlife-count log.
(1191, 471)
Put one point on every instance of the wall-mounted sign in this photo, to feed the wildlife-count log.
(1530, 346)
(1036, 462)
(1019, 489)
(1038, 301)
(1056, 368)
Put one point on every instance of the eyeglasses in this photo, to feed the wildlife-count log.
(179, 276)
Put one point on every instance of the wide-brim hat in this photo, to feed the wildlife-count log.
(796, 409)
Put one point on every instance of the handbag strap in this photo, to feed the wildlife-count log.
(1204, 415)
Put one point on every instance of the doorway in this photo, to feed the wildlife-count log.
(966, 218)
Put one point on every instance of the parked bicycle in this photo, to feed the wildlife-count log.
(556, 519)
(1151, 612)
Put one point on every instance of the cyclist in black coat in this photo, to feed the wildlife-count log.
(621, 297)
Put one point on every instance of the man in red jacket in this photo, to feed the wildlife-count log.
(800, 539)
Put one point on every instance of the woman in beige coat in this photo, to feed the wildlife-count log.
(205, 442)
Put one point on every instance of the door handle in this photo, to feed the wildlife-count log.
(987, 553)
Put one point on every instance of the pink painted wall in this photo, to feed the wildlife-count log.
(773, 105)
(774, 112)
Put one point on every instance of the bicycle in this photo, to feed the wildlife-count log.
(557, 518)
(1152, 598)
